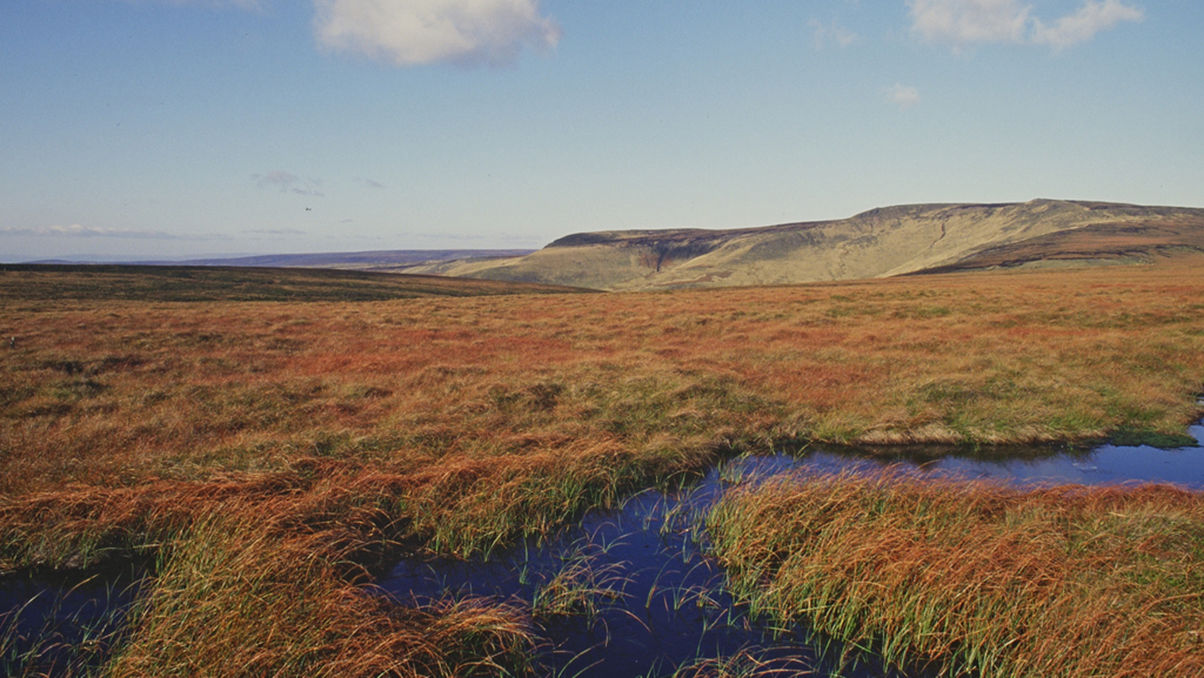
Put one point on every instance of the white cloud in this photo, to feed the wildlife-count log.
(1081, 26)
(962, 22)
(428, 31)
(965, 22)
(80, 231)
(905, 96)
(822, 34)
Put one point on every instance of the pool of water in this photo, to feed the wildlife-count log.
(1102, 465)
(54, 623)
(656, 602)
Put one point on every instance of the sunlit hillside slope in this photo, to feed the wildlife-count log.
(878, 243)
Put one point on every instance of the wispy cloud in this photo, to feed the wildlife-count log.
(961, 23)
(823, 34)
(288, 182)
(81, 231)
(429, 31)
(370, 183)
(275, 231)
(511, 238)
(904, 96)
(242, 4)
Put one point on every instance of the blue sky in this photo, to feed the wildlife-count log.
(145, 128)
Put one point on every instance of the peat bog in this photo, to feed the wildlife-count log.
(275, 460)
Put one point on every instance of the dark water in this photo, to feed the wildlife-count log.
(64, 623)
(656, 602)
(1105, 464)
(659, 602)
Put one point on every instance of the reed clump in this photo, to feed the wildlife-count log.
(241, 595)
(582, 586)
(976, 578)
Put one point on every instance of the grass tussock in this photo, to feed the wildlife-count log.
(237, 596)
(975, 578)
(582, 586)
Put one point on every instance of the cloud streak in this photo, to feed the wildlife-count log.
(961, 23)
(274, 231)
(287, 182)
(466, 32)
(81, 231)
(241, 4)
(369, 183)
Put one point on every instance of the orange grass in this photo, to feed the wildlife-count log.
(977, 578)
(114, 394)
(240, 595)
(466, 423)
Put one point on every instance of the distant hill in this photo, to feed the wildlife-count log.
(42, 283)
(881, 242)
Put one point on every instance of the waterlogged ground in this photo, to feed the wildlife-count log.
(63, 623)
(626, 592)
(631, 592)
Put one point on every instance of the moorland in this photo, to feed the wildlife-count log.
(265, 454)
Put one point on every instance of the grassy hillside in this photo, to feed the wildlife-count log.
(881, 242)
(35, 282)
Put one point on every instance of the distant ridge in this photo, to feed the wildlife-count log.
(881, 242)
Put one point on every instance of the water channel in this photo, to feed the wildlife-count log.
(656, 601)
(659, 603)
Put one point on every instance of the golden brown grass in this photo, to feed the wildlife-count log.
(976, 578)
(464, 423)
(240, 595)
(114, 394)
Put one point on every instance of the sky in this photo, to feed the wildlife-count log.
(186, 128)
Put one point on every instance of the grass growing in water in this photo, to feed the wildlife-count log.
(242, 596)
(582, 586)
(65, 630)
(977, 578)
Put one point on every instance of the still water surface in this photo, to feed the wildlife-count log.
(660, 600)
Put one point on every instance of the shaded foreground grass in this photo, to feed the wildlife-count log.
(265, 451)
(239, 595)
(975, 578)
